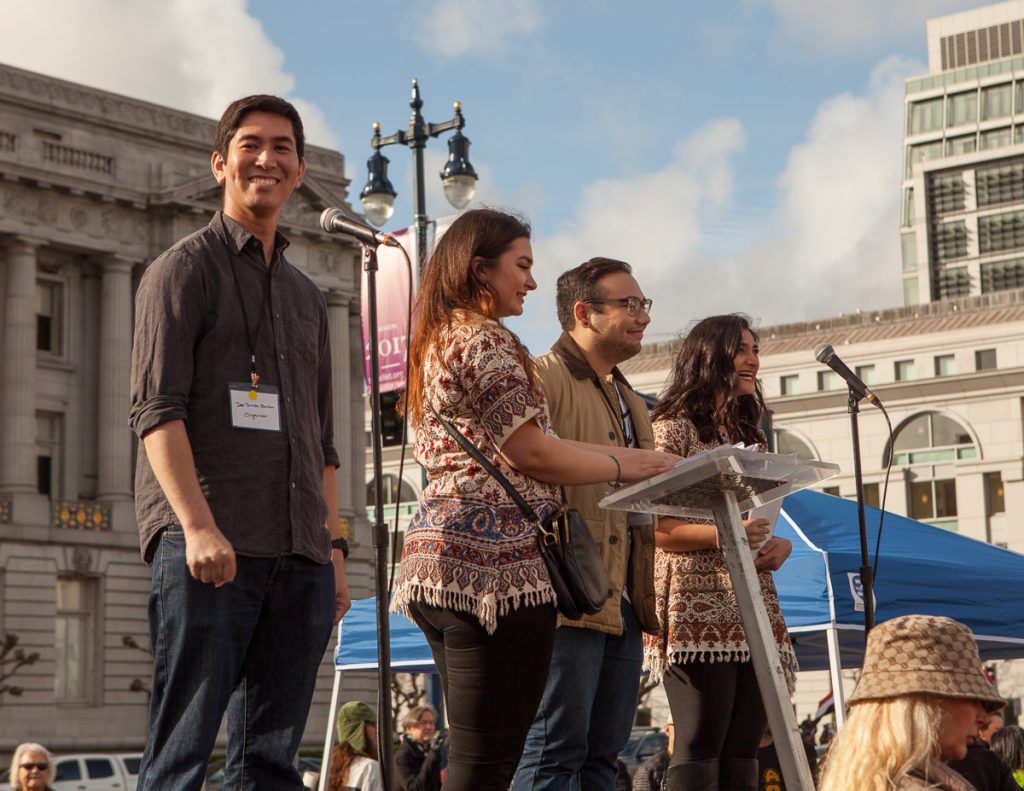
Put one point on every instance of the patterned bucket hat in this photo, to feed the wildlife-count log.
(924, 655)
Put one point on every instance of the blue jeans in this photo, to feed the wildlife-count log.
(587, 711)
(251, 648)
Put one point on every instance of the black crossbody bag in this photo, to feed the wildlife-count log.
(570, 553)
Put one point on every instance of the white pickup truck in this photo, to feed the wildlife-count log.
(97, 772)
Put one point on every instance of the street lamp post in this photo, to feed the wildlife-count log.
(378, 196)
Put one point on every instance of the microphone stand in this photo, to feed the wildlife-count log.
(380, 532)
(867, 584)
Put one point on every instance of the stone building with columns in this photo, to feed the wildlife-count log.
(93, 186)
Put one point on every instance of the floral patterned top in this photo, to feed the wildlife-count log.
(697, 609)
(469, 547)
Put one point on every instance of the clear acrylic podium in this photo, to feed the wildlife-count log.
(721, 484)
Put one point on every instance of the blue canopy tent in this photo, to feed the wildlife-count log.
(922, 569)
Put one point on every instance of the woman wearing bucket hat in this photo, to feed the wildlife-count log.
(354, 764)
(921, 696)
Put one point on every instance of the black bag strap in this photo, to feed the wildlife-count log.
(472, 450)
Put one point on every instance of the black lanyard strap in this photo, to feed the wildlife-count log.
(252, 337)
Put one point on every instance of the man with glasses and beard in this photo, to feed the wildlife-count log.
(587, 710)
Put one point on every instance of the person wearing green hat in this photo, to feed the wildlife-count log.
(354, 764)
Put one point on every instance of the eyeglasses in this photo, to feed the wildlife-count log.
(42, 767)
(633, 304)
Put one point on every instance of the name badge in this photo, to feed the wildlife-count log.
(255, 408)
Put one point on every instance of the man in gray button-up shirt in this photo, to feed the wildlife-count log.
(235, 487)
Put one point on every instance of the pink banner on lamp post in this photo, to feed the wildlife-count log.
(392, 314)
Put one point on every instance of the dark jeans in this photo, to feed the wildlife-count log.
(251, 647)
(587, 711)
(717, 710)
(492, 686)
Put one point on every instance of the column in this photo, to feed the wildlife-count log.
(18, 363)
(114, 438)
(337, 318)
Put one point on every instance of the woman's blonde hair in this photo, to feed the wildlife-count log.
(19, 753)
(883, 741)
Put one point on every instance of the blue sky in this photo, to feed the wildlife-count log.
(742, 154)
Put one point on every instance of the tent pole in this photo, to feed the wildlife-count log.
(332, 712)
(835, 666)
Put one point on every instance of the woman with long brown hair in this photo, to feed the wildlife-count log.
(354, 759)
(471, 575)
(701, 651)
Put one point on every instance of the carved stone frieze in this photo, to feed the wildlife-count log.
(106, 107)
(95, 224)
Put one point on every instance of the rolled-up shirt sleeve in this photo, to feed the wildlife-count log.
(169, 315)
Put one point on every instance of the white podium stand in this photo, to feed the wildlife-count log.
(721, 484)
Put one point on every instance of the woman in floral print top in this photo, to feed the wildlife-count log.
(701, 651)
(471, 575)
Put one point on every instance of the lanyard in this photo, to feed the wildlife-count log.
(252, 337)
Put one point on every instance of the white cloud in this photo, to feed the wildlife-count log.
(835, 245)
(831, 244)
(652, 220)
(456, 28)
(173, 53)
(830, 24)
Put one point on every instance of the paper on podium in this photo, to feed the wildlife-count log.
(690, 488)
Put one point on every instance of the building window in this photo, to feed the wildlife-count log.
(922, 153)
(946, 192)
(1001, 232)
(872, 495)
(911, 291)
(945, 365)
(866, 373)
(1000, 184)
(391, 492)
(49, 316)
(1002, 275)
(951, 240)
(985, 359)
(952, 281)
(75, 639)
(909, 215)
(909, 245)
(833, 490)
(995, 138)
(49, 454)
(829, 380)
(904, 370)
(995, 501)
(963, 144)
(925, 116)
(962, 109)
(789, 443)
(789, 384)
(995, 102)
(931, 438)
(935, 502)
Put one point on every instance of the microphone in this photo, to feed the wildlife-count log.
(335, 221)
(824, 353)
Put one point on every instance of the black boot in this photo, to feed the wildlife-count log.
(738, 774)
(695, 776)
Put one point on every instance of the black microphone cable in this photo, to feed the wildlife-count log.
(405, 424)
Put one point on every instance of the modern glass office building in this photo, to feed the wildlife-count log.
(962, 215)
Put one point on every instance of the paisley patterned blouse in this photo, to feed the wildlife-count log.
(469, 547)
(697, 610)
